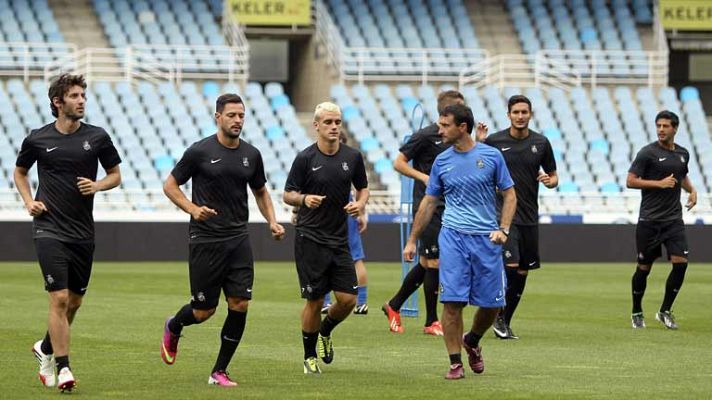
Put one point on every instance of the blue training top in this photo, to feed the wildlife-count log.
(468, 182)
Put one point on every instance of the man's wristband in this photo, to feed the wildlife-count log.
(505, 231)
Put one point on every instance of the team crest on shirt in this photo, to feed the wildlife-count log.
(50, 279)
(480, 164)
(507, 254)
(682, 159)
(201, 296)
(86, 145)
(245, 162)
(345, 166)
(534, 149)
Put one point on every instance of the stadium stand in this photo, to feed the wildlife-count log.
(594, 134)
(152, 125)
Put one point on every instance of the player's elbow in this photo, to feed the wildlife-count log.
(630, 182)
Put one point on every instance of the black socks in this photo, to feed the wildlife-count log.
(431, 285)
(515, 287)
(230, 337)
(184, 317)
(410, 284)
(309, 340)
(327, 325)
(638, 284)
(673, 285)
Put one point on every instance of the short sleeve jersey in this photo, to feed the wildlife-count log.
(314, 172)
(469, 181)
(524, 158)
(61, 159)
(422, 147)
(220, 179)
(654, 162)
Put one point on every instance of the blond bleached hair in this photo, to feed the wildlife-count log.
(325, 107)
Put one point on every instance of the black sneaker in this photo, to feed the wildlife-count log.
(667, 319)
(500, 328)
(637, 320)
(361, 309)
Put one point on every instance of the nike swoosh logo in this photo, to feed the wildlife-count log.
(52, 149)
(165, 353)
(685, 252)
(230, 340)
(449, 169)
(317, 168)
(438, 142)
(505, 148)
(355, 287)
(662, 159)
(531, 264)
(249, 290)
(214, 161)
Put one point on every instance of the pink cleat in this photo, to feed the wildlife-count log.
(169, 345)
(474, 357)
(220, 378)
(455, 372)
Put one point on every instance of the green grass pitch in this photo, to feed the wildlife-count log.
(576, 340)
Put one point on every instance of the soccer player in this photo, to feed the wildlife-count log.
(530, 160)
(356, 227)
(221, 167)
(660, 171)
(319, 183)
(422, 148)
(67, 153)
(471, 268)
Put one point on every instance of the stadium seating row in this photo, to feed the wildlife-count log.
(152, 125)
(595, 134)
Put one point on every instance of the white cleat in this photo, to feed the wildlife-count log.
(66, 380)
(47, 366)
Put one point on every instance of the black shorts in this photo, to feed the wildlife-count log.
(322, 269)
(226, 265)
(428, 241)
(650, 236)
(65, 265)
(522, 247)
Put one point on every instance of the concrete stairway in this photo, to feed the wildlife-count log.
(493, 26)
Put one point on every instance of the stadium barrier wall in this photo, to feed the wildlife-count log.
(167, 241)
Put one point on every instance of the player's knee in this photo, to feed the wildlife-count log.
(203, 315)
(347, 301)
(678, 260)
(645, 268)
(238, 304)
(59, 300)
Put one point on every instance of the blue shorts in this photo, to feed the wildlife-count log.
(355, 244)
(471, 269)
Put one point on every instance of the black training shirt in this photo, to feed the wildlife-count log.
(314, 172)
(220, 178)
(422, 147)
(655, 162)
(524, 157)
(61, 159)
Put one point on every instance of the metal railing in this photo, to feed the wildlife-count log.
(152, 205)
(613, 67)
(518, 70)
(27, 59)
(154, 63)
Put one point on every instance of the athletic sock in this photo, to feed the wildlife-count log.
(309, 340)
(327, 325)
(46, 345)
(410, 284)
(431, 284)
(472, 339)
(673, 285)
(230, 337)
(362, 296)
(638, 284)
(184, 317)
(327, 299)
(455, 358)
(515, 288)
(62, 362)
